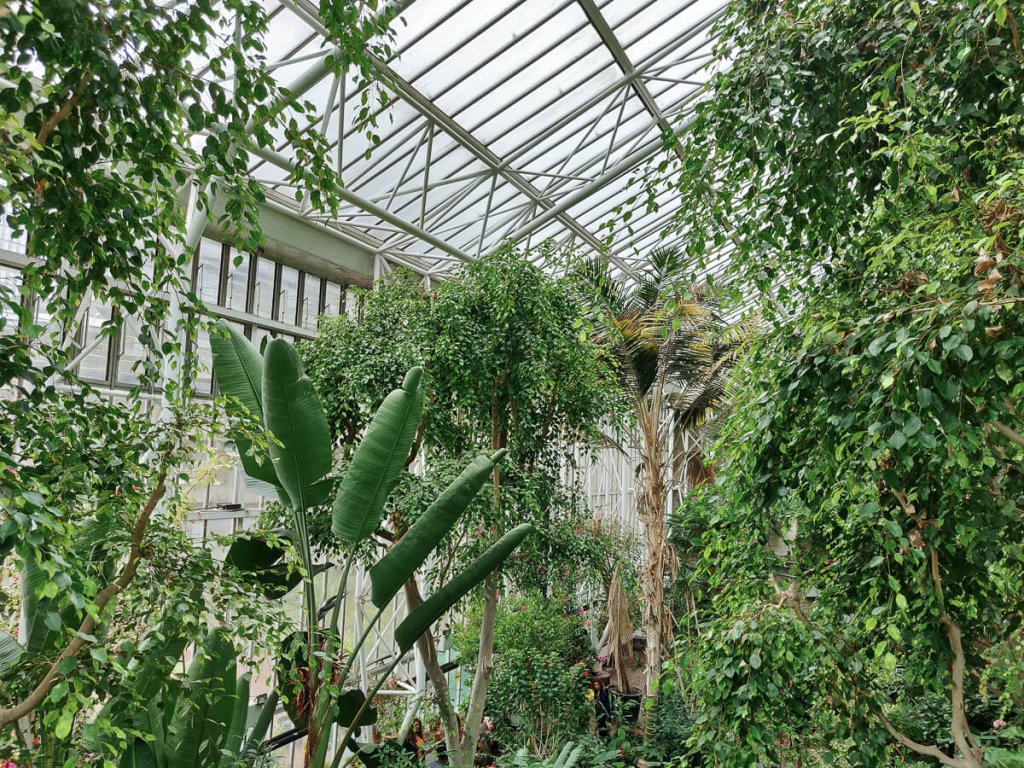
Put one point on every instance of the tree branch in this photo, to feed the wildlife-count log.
(62, 113)
(1009, 433)
(1014, 32)
(921, 749)
(36, 697)
(960, 728)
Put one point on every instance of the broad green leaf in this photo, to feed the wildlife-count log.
(378, 462)
(277, 581)
(39, 636)
(301, 449)
(138, 755)
(255, 552)
(238, 369)
(203, 711)
(10, 652)
(64, 723)
(419, 621)
(239, 719)
(392, 570)
(349, 703)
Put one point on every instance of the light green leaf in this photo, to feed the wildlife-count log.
(419, 621)
(378, 461)
(238, 369)
(415, 546)
(10, 652)
(301, 450)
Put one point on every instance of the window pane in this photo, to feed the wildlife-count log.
(10, 284)
(258, 335)
(204, 373)
(238, 280)
(332, 304)
(310, 302)
(263, 301)
(133, 351)
(94, 366)
(352, 303)
(208, 271)
(288, 298)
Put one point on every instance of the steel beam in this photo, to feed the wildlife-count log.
(287, 164)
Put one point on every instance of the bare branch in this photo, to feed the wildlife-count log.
(1009, 433)
(928, 750)
(61, 114)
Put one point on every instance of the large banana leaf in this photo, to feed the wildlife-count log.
(39, 635)
(277, 581)
(255, 551)
(293, 414)
(239, 718)
(349, 703)
(10, 652)
(238, 368)
(378, 462)
(392, 570)
(138, 755)
(159, 653)
(204, 708)
(419, 621)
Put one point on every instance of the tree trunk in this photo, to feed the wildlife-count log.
(651, 510)
(657, 624)
(485, 650)
(428, 650)
(484, 667)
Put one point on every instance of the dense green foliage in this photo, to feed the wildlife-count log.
(542, 657)
(509, 364)
(110, 120)
(865, 161)
(271, 389)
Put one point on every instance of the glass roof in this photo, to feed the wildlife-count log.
(515, 119)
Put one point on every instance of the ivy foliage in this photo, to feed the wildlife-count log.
(864, 159)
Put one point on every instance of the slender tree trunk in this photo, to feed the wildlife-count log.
(485, 650)
(484, 667)
(651, 511)
(428, 650)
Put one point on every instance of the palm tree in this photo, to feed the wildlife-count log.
(673, 354)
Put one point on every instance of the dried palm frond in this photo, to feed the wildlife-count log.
(620, 632)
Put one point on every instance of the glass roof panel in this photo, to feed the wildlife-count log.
(501, 110)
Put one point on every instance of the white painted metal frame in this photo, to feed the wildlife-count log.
(436, 191)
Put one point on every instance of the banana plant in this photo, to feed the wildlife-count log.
(567, 758)
(269, 387)
(200, 721)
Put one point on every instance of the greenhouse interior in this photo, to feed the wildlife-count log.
(511, 383)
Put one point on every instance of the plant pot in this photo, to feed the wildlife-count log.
(627, 703)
